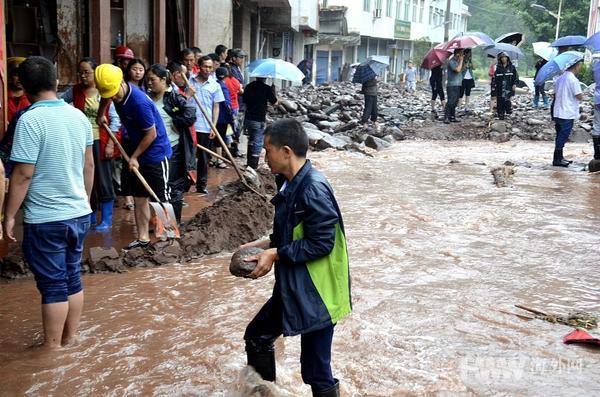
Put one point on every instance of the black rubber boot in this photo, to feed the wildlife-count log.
(596, 147)
(446, 115)
(263, 363)
(453, 115)
(235, 151)
(253, 161)
(333, 391)
(177, 208)
(558, 160)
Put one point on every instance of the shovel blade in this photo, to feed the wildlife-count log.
(166, 224)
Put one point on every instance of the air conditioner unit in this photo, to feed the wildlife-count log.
(377, 13)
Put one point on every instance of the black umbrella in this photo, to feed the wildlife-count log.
(514, 38)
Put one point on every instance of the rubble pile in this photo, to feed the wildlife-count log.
(331, 116)
(238, 216)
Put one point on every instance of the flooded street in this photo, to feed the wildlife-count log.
(436, 251)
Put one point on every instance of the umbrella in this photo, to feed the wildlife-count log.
(512, 51)
(435, 57)
(543, 49)
(569, 41)
(277, 69)
(463, 42)
(370, 68)
(514, 38)
(593, 42)
(557, 65)
(487, 40)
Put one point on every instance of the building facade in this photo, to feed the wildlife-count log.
(399, 29)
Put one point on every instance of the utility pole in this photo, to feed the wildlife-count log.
(447, 21)
(558, 18)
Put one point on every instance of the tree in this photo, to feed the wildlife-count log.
(573, 19)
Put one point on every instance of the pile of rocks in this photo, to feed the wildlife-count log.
(331, 116)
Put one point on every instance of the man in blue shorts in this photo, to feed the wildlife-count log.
(149, 141)
(52, 177)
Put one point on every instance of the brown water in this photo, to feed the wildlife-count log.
(436, 250)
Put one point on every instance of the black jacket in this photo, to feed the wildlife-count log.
(184, 116)
(504, 79)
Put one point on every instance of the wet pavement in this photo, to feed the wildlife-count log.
(437, 253)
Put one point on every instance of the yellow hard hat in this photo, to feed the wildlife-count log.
(108, 79)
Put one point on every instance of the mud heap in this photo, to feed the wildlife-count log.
(331, 115)
(236, 217)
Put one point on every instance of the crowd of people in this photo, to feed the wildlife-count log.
(61, 152)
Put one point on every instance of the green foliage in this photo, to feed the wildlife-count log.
(585, 74)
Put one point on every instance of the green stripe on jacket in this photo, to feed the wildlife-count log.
(330, 275)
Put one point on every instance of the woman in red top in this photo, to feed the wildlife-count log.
(235, 89)
(17, 99)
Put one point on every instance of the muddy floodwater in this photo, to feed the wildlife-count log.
(437, 252)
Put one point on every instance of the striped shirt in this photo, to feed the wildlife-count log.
(53, 136)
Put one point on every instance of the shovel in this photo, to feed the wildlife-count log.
(166, 223)
(222, 143)
(250, 173)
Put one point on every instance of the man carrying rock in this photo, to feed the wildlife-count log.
(455, 77)
(52, 177)
(256, 97)
(567, 95)
(308, 248)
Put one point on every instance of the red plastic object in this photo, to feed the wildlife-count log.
(580, 336)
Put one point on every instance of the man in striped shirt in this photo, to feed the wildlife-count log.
(52, 177)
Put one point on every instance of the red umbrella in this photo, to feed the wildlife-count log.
(463, 42)
(580, 336)
(435, 57)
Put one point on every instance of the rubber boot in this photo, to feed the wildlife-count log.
(558, 160)
(536, 101)
(596, 147)
(333, 391)
(253, 161)
(177, 208)
(453, 115)
(545, 99)
(263, 363)
(235, 151)
(107, 213)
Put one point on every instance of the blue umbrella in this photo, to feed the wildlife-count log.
(277, 69)
(593, 42)
(569, 41)
(370, 68)
(512, 51)
(557, 65)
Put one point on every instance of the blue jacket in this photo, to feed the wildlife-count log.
(312, 274)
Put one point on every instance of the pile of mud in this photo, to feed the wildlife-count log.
(237, 216)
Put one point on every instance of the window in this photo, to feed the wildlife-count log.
(378, 4)
(388, 8)
(398, 9)
(430, 15)
(367, 5)
(414, 10)
(421, 8)
(406, 10)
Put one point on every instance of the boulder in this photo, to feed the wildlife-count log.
(238, 267)
(289, 105)
(532, 121)
(104, 259)
(376, 143)
(314, 135)
(329, 141)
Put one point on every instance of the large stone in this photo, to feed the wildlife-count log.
(314, 135)
(289, 105)
(376, 143)
(318, 116)
(13, 265)
(329, 141)
(532, 121)
(167, 252)
(238, 267)
(104, 259)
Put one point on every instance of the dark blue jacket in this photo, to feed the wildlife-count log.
(312, 273)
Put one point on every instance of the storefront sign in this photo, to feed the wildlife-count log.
(402, 29)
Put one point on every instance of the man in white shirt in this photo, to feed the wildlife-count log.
(567, 95)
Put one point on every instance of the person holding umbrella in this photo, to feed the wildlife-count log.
(455, 77)
(468, 78)
(505, 79)
(539, 88)
(567, 96)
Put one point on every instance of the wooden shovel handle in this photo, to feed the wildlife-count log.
(216, 132)
(126, 157)
(207, 150)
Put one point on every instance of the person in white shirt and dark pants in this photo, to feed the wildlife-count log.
(567, 96)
